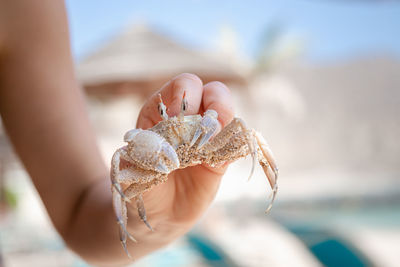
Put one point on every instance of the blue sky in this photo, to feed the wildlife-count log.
(328, 29)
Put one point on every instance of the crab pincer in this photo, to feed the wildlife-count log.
(207, 128)
(151, 151)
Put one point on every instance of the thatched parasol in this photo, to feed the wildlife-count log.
(140, 60)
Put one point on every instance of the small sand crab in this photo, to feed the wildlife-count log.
(176, 143)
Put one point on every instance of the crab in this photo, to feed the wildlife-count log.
(176, 143)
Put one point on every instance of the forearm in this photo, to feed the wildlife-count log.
(44, 113)
(42, 107)
(43, 110)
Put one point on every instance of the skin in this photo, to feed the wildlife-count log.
(44, 113)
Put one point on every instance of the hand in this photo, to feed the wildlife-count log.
(174, 206)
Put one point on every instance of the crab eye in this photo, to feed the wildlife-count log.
(160, 110)
(184, 105)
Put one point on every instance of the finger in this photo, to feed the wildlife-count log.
(218, 97)
(171, 94)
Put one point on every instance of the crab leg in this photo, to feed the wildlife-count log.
(121, 213)
(119, 200)
(115, 170)
(237, 127)
(142, 211)
(134, 176)
(123, 232)
(136, 190)
(236, 132)
(269, 166)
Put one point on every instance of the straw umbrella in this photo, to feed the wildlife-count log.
(140, 60)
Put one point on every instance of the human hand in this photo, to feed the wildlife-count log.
(174, 206)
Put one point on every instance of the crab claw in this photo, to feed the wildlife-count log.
(170, 153)
(208, 127)
(151, 151)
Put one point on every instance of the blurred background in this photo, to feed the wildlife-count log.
(320, 79)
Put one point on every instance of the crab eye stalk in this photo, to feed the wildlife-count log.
(184, 104)
(162, 109)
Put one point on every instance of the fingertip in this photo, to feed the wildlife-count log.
(188, 76)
